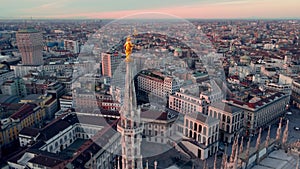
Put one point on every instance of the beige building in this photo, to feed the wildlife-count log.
(195, 98)
(231, 119)
(262, 111)
(187, 103)
(14, 87)
(28, 115)
(201, 135)
(110, 62)
(295, 97)
(156, 83)
(158, 126)
(30, 44)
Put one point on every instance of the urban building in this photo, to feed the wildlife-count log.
(30, 44)
(110, 63)
(14, 87)
(188, 101)
(195, 97)
(66, 102)
(156, 83)
(260, 112)
(53, 146)
(36, 86)
(56, 89)
(28, 136)
(201, 135)
(295, 96)
(159, 126)
(198, 77)
(231, 120)
(47, 102)
(28, 115)
(72, 46)
(6, 75)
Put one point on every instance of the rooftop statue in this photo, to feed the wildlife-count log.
(128, 49)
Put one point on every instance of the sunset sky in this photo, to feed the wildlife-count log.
(119, 8)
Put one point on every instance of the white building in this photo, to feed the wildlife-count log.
(72, 46)
(158, 126)
(51, 141)
(6, 75)
(201, 135)
(14, 87)
(260, 112)
(231, 119)
(187, 102)
(156, 83)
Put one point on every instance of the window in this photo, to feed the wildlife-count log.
(228, 128)
(204, 130)
(195, 126)
(191, 125)
(223, 117)
(200, 128)
(228, 119)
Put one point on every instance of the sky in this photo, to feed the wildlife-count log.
(205, 9)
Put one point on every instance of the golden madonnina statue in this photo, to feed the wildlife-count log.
(128, 48)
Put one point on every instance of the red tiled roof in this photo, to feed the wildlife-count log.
(25, 111)
(50, 101)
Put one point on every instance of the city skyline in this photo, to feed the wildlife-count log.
(216, 9)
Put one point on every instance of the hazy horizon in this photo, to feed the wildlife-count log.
(189, 9)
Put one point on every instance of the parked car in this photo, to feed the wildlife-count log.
(288, 113)
(297, 128)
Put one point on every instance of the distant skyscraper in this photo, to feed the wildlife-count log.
(110, 62)
(30, 44)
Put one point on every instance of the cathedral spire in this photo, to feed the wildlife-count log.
(285, 133)
(130, 126)
(268, 138)
(278, 134)
(241, 146)
(248, 149)
(258, 140)
(215, 161)
(235, 162)
(224, 161)
(234, 147)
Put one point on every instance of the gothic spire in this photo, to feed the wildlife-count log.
(241, 146)
(147, 167)
(234, 147)
(268, 138)
(248, 149)
(278, 134)
(258, 140)
(235, 162)
(285, 133)
(215, 161)
(224, 159)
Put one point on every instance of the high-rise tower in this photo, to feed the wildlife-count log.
(130, 126)
(30, 44)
